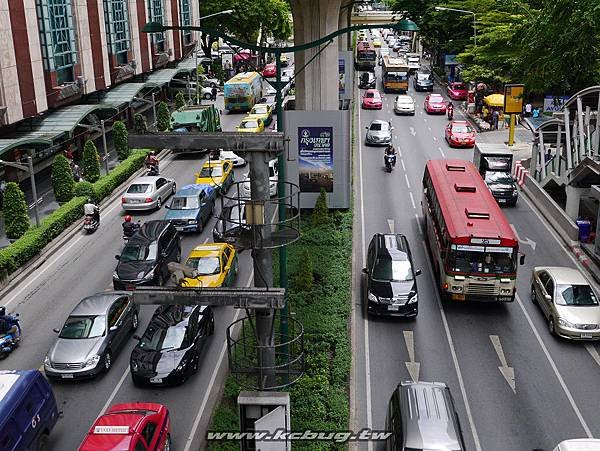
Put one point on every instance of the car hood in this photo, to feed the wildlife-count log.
(161, 363)
(424, 82)
(181, 214)
(204, 281)
(371, 100)
(378, 134)
(74, 351)
(463, 135)
(405, 106)
(500, 186)
(134, 270)
(391, 289)
(580, 315)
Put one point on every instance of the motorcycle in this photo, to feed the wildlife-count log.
(390, 161)
(152, 169)
(10, 341)
(90, 224)
(135, 228)
(450, 113)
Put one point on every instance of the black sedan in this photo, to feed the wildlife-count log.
(367, 80)
(169, 351)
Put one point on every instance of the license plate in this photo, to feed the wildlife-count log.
(458, 297)
(586, 335)
(501, 201)
(156, 380)
(133, 201)
(393, 308)
(66, 376)
(179, 229)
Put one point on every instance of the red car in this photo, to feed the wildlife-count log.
(435, 103)
(372, 100)
(457, 91)
(132, 426)
(460, 134)
(270, 70)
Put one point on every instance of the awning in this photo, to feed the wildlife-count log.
(12, 143)
(188, 63)
(494, 100)
(122, 94)
(162, 77)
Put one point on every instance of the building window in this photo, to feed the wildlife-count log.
(57, 35)
(156, 15)
(116, 18)
(186, 20)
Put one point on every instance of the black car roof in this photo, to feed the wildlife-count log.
(149, 231)
(392, 245)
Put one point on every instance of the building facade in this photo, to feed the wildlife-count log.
(53, 52)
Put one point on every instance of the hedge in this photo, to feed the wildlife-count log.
(35, 239)
(320, 399)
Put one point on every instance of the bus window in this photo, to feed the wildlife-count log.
(481, 259)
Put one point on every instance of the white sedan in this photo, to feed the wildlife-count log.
(233, 157)
(404, 104)
(147, 193)
(245, 186)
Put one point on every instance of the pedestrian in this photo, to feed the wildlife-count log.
(528, 108)
(213, 93)
(495, 119)
(76, 170)
(536, 112)
(69, 152)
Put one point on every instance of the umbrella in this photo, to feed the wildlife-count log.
(494, 100)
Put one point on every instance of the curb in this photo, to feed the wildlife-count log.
(15, 278)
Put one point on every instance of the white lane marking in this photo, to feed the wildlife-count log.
(412, 200)
(435, 138)
(461, 382)
(407, 182)
(555, 369)
(412, 366)
(366, 320)
(442, 152)
(391, 225)
(425, 119)
(114, 392)
(527, 241)
(419, 224)
(403, 167)
(429, 128)
(593, 352)
(507, 372)
(395, 136)
(399, 152)
(412, 131)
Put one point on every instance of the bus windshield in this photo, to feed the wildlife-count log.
(396, 76)
(367, 55)
(482, 259)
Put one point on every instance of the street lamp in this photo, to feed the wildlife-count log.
(29, 169)
(464, 11)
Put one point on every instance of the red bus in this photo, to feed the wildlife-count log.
(365, 56)
(474, 249)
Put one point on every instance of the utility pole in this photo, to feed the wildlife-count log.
(104, 145)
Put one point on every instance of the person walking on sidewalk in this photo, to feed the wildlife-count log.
(528, 109)
(495, 119)
(213, 93)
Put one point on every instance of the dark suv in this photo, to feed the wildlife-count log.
(144, 258)
(390, 285)
(423, 80)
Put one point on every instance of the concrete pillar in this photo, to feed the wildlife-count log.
(317, 85)
(573, 198)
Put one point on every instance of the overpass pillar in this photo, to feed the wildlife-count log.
(573, 199)
(317, 85)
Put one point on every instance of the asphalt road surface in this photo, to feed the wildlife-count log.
(555, 395)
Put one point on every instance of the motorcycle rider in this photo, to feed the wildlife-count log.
(9, 324)
(129, 227)
(151, 161)
(450, 110)
(390, 151)
(91, 209)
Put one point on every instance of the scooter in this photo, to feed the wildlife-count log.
(127, 235)
(10, 341)
(450, 113)
(152, 169)
(390, 162)
(90, 224)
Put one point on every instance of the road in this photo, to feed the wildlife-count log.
(84, 266)
(463, 344)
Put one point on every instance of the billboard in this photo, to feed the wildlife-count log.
(315, 159)
(450, 60)
(513, 99)
(554, 103)
(346, 76)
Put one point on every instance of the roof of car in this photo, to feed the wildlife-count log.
(379, 121)
(210, 249)
(146, 179)
(564, 275)
(579, 444)
(97, 304)
(460, 123)
(193, 189)
(435, 95)
(149, 231)
(395, 244)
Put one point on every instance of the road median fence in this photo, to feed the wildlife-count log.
(36, 238)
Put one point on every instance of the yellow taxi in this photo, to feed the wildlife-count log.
(216, 264)
(262, 111)
(251, 125)
(217, 173)
(376, 42)
(284, 61)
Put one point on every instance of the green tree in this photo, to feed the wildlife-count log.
(84, 189)
(305, 276)
(120, 139)
(179, 100)
(62, 179)
(163, 117)
(91, 162)
(320, 214)
(16, 212)
(139, 123)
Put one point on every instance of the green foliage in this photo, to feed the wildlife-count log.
(106, 185)
(139, 123)
(84, 189)
(16, 212)
(91, 162)
(320, 214)
(120, 138)
(217, 69)
(305, 275)
(163, 117)
(62, 179)
(179, 100)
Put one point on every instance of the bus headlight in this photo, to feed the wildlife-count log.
(505, 291)
(515, 193)
(457, 288)
(372, 297)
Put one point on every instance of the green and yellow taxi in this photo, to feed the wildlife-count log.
(261, 111)
(217, 173)
(216, 264)
(284, 61)
(251, 125)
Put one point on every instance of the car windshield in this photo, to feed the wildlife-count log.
(138, 252)
(404, 100)
(498, 163)
(436, 100)
(77, 327)
(462, 128)
(214, 171)
(139, 188)
(459, 87)
(379, 126)
(370, 95)
(481, 259)
(498, 177)
(205, 265)
(423, 77)
(392, 270)
(259, 109)
(249, 124)
(162, 339)
(575, 295)
(185, 203)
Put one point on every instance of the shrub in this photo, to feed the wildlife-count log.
(139, 123)
(84, 189)
(163, 117)
(62, 179)
(91, 162)
(179, 100)
(121, 140)
(320, 215)
(106, 185)
(305, 277)
(16, 212)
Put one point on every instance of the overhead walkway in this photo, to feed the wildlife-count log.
(375, 17)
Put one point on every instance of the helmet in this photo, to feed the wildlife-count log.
(90, 200)
(127, 218)
(2, 311)
(151, 152)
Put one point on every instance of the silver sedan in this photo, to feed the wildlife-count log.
(147, 193)
(404, 104)
(95, 331)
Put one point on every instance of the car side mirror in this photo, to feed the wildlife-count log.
(418, 272)
(136, 337)
(118, 257)
(366, 128)
(56, 330)
(522, 259)
(547, 297)
(113, 328)
(196, 174)
(365, 271)
(167, 207)
(164, 254)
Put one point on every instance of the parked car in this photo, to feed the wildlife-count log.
(379, 133)
(423, 80)
(568, 302)
(457, 91)
(191, 207)
(367, 80)
(390, 286)
(168, 352)
(228, 155)
(93, 334)
(216, 173)
(459, 134)
(133, 426)
(182, 80)
(231, 224)
(261, 111)
(371, 100)
(273, 177)
(148, 193)
(215, 263)
(435, 103)
(270, 70)
(144, 258)
(404, 104)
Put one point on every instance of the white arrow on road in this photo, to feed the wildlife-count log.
(412, 131)
(526, 241)
(507, 371)
(412, 366)
(391, 225)
(593, 352)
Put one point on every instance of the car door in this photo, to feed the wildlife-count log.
(150, 434)
(204, 327)
(547, 303)
(228, 174)
(162, 187)
(117, 326)
(203, 207)
(540, 279)
(227, 261)
(370, 262)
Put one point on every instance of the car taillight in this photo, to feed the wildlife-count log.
(122, 200)
(148, 199)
